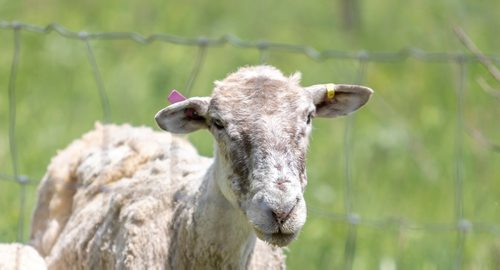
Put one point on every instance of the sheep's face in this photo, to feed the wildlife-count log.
(261, 121)
(261, 124)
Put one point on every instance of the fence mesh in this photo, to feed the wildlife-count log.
(462, 226)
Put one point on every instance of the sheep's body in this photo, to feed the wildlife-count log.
(20, 257)
(124, 197)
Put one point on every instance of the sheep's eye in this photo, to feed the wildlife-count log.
(218, 124)
(309, 118)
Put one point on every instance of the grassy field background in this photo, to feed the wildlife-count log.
(403, 144)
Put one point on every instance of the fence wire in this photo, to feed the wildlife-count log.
(461, 226)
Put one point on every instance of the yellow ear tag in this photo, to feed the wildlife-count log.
(330, 91)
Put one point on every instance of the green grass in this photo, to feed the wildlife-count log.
(402, 144)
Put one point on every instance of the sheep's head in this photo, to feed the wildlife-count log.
(261, 122)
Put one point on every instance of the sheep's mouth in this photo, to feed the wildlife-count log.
(279, 239)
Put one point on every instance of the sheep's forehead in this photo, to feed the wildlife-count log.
(253, 93)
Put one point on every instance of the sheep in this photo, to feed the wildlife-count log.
(20, 257)
(125, 197)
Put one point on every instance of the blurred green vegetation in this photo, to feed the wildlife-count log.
(402, 148)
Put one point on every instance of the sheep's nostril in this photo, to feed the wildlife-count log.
(282, 216)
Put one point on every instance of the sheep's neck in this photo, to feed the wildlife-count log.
(223, 237)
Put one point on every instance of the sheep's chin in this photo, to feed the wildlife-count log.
(277, 239)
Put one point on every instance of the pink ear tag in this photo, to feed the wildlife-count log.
(175, 97)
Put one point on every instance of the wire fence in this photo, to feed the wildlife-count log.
(462, 226)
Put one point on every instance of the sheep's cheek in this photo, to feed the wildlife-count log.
(227, 191)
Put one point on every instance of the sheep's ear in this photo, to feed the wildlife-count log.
(184, 116)
(332, 100)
